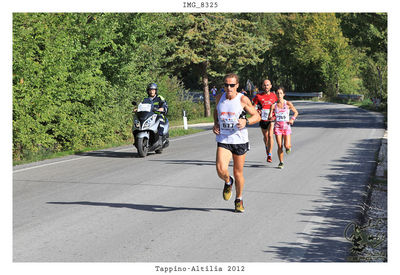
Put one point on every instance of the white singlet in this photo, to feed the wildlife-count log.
(228, 117)
(282, 114)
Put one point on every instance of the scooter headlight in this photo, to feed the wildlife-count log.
(149, 121)
(136, 123)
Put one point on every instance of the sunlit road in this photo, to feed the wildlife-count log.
(111, 206)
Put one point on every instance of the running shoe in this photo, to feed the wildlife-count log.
(269, 158)
(239, 206)
(227, 193)
(280, 165)
(288, 151)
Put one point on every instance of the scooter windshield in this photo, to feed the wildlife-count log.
(144, 107)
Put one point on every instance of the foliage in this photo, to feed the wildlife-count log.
(74, 76)
(215, 44)
(57, 80)
(367, 33)
(313, 54)
(268, 24)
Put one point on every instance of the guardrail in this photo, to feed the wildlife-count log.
(354, 97)
(294, 94)
(320, 94)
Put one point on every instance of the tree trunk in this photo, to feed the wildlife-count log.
(207, 111)
(337, 88)
(380, 82)
(337, 85)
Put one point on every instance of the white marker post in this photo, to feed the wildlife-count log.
(185, 125)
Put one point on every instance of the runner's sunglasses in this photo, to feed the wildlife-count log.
(230, 85)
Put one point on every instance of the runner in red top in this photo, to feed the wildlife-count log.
(263, 101)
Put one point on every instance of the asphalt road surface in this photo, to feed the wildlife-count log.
(112, 206)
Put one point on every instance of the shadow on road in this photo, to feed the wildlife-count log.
(339, 123)
(336, 117)
(248, 164)
(323, 240)
(142, 207)
(110, 154)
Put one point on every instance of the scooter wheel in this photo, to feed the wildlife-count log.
(142, 146)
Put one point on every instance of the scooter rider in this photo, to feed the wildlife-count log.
(160, 106)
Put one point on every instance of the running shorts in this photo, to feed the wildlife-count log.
(264, 124)
(282, 128)
(236, 149)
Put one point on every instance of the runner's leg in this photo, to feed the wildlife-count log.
(280, 147)
(222, 163)
(266, 141)
(287, 140)
(238, 163)
(270, 137)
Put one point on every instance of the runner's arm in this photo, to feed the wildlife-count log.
(216, 122)
(256, 103)
(295, 112)
(271, 112)
(249, 108)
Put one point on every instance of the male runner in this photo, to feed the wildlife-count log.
(232, 137)
(263, 101)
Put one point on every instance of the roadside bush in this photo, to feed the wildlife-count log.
(173, 91)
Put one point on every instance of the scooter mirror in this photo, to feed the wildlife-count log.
(134, 103)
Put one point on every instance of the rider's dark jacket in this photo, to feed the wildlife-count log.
(160, 102)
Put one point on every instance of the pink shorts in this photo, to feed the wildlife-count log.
(282, 128)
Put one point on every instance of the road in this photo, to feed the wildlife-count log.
(111, 206)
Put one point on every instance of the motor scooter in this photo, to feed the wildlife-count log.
(145, 129)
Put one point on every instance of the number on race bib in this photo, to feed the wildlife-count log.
(283, 116)
(228, 125)
(264, 114)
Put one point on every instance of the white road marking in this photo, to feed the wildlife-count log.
(121, 150)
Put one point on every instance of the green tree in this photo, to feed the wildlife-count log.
(367, 33)
(215, 43)
(61, 99)
(312, 52)
(268, 26)
(75, 74)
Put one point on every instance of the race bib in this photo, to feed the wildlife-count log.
(264, 114)
(228, 125)
(282, 116)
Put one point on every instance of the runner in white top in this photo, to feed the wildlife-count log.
(229, 112)
(232, 137)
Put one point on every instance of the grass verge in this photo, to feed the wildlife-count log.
(46, 154)
(176, 132)
(179, 122)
